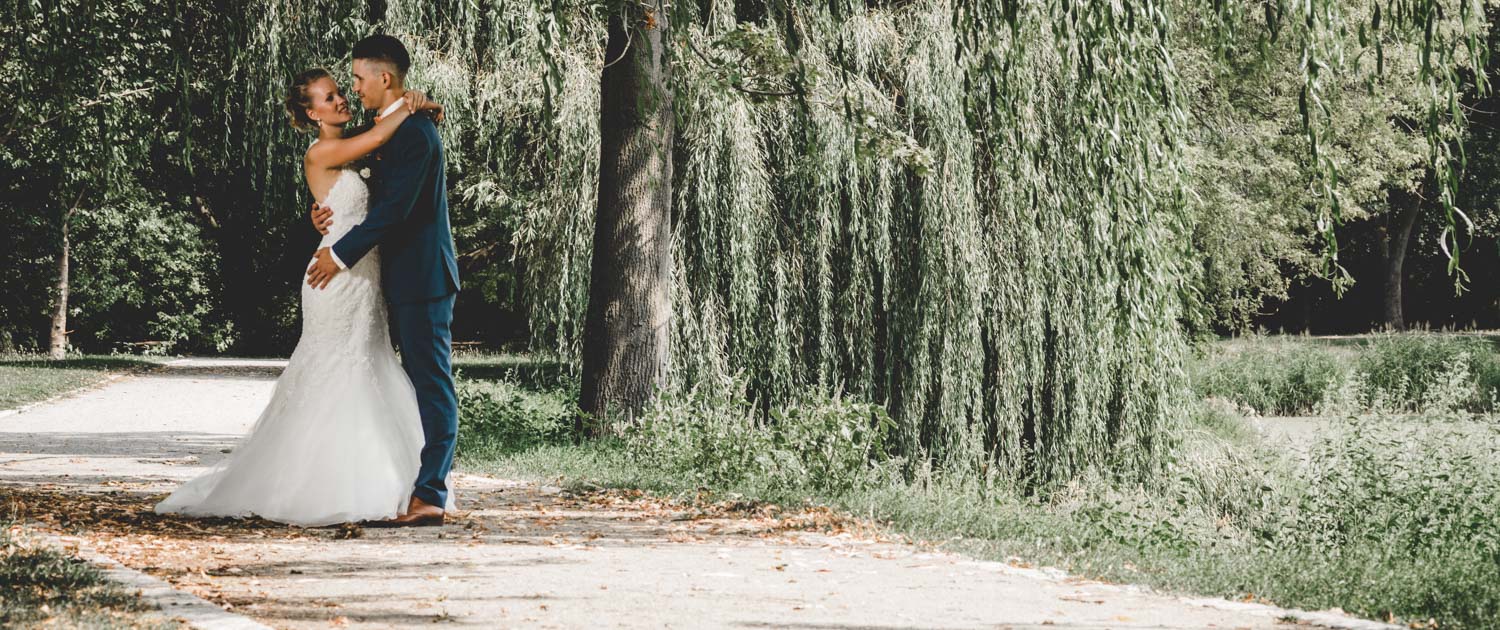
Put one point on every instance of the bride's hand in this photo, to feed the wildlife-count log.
(416, 101)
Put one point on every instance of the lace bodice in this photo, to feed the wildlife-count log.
(349, 314)
(350, 200)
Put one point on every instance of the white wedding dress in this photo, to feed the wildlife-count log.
(341, 437)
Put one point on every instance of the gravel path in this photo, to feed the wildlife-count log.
(520, 555)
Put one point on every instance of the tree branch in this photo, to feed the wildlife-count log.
(73, 207)
(715, 65)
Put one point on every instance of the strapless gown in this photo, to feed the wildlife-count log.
(340, 439)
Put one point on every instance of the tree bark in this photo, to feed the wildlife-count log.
(58, 347)
(1397, 235)
(627, 328)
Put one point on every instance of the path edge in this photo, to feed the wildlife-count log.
(1332, 619)
(195, 611)
(108, 378)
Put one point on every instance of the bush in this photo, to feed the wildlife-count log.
(502, 416)
(1381, 517)
(1435, 374)
(1414, 489)
(1426, 371)
(1395, 518)
(1271, 377)
(818, 442)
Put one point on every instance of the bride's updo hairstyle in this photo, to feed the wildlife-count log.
(297, 100)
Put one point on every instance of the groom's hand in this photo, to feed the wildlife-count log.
(323, 269)
(322, 217)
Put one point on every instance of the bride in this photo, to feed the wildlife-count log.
(340, 439)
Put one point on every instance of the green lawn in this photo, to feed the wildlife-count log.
(26, 379)
(44, 588)
(1394, 515)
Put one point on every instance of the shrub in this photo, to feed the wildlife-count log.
(1411, 488)
(1436, 374)
(705, 434)
(503, 416)
(817, 442)
(1396, 518)
(1429, 372)
(1271, 377)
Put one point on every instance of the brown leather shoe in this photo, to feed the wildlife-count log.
(418, 514)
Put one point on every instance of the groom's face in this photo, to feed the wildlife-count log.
(370, 82)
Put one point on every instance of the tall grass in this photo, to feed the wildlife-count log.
(1411, 372)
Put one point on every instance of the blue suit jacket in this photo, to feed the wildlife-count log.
(408, 217)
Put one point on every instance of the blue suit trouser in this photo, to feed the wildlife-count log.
(423, 332)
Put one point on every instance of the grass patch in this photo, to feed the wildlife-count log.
(46, 588)
(25, 379)
(1392, 515)
(510, 403)
(1430, 373)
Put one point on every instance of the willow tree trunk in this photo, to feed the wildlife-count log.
(1397, 236)
(58, 347)
(626, 332)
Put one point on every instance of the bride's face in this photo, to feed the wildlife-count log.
(328, 103)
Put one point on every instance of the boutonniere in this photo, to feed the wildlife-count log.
(365, 172)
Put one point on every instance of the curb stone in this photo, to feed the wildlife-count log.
(195, 611)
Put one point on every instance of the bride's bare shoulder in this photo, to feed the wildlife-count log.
(310, 156)
(318, 154)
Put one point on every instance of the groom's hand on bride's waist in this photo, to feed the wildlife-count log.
(323, 269)
(322, 218)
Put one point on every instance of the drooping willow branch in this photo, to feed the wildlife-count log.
(981, 225)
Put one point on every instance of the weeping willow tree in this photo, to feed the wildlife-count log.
(974, 213)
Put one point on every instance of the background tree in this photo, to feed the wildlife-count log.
(627, 331)
(1257, 187)
(85, 82)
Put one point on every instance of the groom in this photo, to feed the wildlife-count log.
(408, 219)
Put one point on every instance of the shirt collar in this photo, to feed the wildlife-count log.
(392, 107)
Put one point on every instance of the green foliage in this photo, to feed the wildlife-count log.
(81, 153)
(1271, 376)
(816, 444)
(1427, 373)
(144, 272)
(505, 415)
(976, 215)
(848, 213)
(1395, 516)
(46, 588)
(1412, 369)
(1418, 488)
(1256, 182)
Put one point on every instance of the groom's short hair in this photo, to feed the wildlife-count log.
(385, 49)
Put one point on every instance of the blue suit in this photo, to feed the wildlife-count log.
(408, 219)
